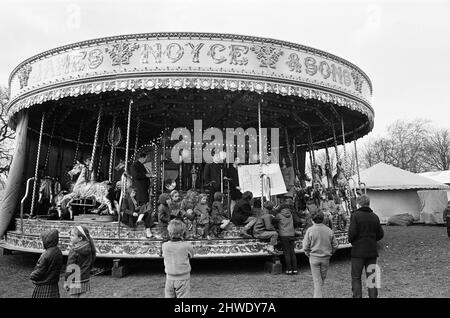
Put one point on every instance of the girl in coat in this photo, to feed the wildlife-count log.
(45, 275)
(79, 262)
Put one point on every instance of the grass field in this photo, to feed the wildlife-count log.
(415, 262)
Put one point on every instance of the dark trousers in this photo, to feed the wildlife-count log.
(358, 264)
(288, 244)
(131, 220)
(448, 225)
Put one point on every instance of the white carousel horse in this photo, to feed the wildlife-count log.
(83, 188)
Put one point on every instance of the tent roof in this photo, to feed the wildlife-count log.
(439, 176)
(386, 177)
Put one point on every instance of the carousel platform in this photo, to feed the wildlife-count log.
(132, 243)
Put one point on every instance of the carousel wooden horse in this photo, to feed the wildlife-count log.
(339, 179)
(83, 188)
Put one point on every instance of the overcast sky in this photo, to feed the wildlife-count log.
(403, 46)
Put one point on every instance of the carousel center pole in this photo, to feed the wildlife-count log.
(36, 170)
(127, 149)
(260, 153)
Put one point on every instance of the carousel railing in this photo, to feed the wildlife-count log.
(22, 202)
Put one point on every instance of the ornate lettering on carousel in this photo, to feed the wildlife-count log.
(303, 64)
(294, 63)
(95, 58)
(154, 50)
(357, 79)
(121, 53)
(195, 51)
(268, 56)
(174, 52)
(236, 53)
(213, 52)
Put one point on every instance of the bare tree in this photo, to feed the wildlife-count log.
(403, 147)
(437, 149)
(6, 138)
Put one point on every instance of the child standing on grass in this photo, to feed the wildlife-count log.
(286, 232)
(176, 254)
(319, 244)
(45, 275)
(79, 262)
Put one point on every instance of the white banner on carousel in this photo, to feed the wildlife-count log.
(273, 182)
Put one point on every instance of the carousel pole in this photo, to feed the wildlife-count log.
(100, 158)
(94, 147)
(136, 142)
(111, 154)
(47, 153)
(335, 141)
(78, 144)
(127, 149)
(346, 170)
(357, 162)
(36, 170)
(329, 163)
(260, 153)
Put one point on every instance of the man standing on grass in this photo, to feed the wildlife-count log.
(446, 217)
(364, 232)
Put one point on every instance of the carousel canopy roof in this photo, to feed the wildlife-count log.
(386, 177)
(174, 78)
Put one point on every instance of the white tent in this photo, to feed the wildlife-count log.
(393, 191)
(439, 176)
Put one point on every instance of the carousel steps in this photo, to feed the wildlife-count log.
(132, 243)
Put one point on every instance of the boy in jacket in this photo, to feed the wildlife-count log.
(319, 244)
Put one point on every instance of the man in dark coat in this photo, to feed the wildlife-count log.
(446, 216)
(364, 232)
(212, 175)
(243, 214)
(140, 179)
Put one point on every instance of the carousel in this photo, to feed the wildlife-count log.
(87, 114)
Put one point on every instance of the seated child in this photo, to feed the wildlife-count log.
(219, 217)
(163, 215)
(133, 213)
(263, 228)
(175, 205)
(187, 211)
(202, 216)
